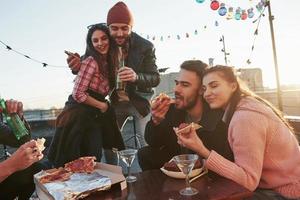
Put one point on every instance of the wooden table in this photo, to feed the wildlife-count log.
(154, 185)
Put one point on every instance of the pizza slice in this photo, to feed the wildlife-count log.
(162, 97)
(184, 127)
(55, 174)
(40, 144)
(81, 165)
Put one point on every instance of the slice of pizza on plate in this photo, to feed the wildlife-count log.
(53, 175)
(81, 165)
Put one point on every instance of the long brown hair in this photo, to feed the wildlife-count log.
(230, 75)
(101, 59)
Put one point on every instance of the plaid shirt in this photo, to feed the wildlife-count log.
(90, 77)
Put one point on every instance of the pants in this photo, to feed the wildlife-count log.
(20, 184)
(152, 158)
(123, 111)
(266, 194)
(126, 109)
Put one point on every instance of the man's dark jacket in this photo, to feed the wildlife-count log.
(141, 58)
(213, 132)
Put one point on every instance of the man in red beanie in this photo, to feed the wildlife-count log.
(120, 22)
(139, 73)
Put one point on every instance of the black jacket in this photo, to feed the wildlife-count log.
(141, 58)
(213, 132)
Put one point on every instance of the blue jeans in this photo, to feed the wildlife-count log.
(123, 111)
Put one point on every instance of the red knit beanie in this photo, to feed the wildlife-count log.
(119, 13)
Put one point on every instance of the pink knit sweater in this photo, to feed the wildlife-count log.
(266, 153)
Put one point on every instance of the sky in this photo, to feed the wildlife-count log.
(44, 29)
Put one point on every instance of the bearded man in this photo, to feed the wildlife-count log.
(188, 107)
(139, 73)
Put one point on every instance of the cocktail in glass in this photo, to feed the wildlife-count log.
(127, 156)
(185, 163)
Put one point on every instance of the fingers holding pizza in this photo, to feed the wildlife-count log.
(161, 98)
(160, 106)
(187, 137)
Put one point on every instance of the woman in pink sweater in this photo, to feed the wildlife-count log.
(266, 151)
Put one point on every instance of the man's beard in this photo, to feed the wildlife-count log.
(190, 104)
(124, 44)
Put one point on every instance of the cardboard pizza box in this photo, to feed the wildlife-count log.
(112, 171)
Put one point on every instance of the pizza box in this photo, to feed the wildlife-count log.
(112, 171)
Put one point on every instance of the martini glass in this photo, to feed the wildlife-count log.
(127, 156)
(185, 163)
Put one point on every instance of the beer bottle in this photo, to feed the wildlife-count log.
(13, 121)
(120, 85)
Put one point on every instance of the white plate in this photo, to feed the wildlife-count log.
(173, 174)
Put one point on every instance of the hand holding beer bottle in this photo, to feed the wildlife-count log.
(11, 110)
(125, 74)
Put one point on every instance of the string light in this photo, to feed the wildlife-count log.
(28, 57)
(238, 13)
(248, 61)
(186, 35)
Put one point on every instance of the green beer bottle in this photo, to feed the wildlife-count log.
(14, 122)
(120, 85)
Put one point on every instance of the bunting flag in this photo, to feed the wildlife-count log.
(181, 36)
(44, 64)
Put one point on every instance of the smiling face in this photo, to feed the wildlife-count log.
(119, 32)
(187, 90)
(217, 90)
(100, 41)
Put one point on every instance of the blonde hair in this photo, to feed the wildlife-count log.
(229, 74)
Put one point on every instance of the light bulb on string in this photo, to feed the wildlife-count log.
(214, 5)
(196, 32)
(264, 2)
(216, 23)
(200, 1)
(230, 13)
(244, 15)
(260, 6)
(237, 15)
(222, 10)
(250, 13)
